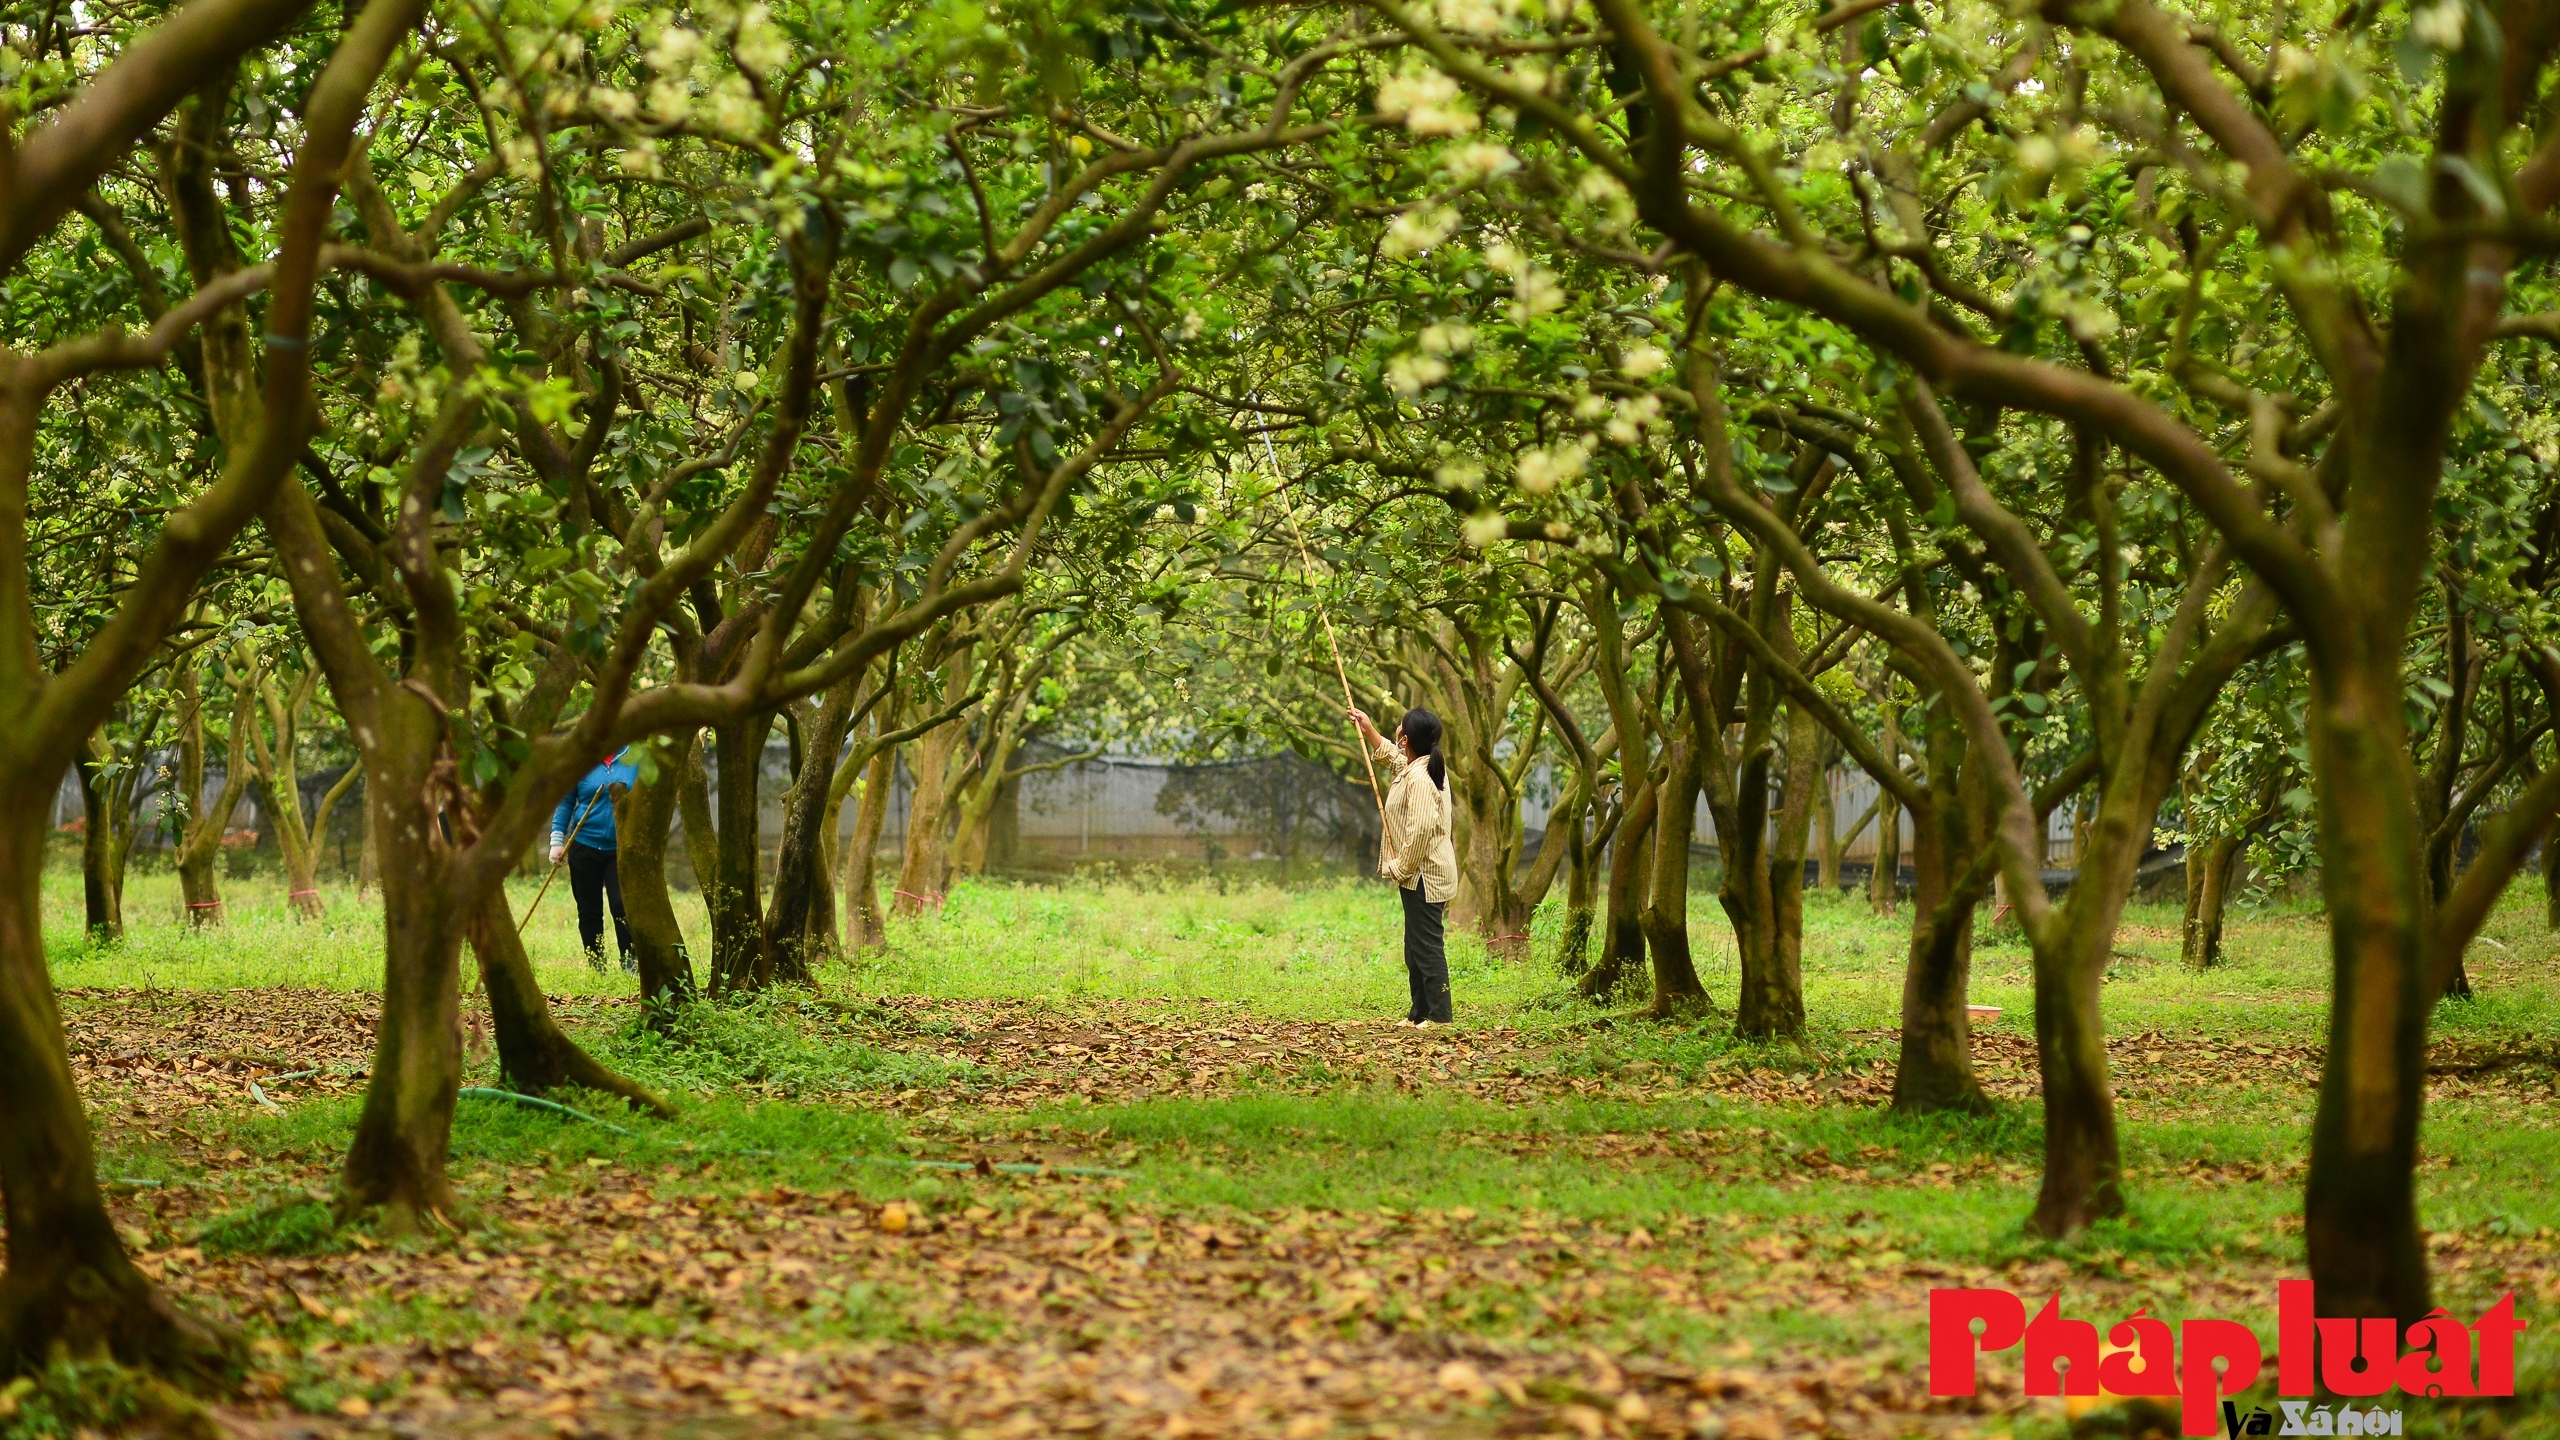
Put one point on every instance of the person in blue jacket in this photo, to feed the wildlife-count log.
(582, 830)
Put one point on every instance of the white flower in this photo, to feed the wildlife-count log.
(1506, 257)
(1826, 157)
(1257, 191)
(1484, 528)
(1534, 294)
(640, 159)
(1426, 101)
(1634, 413)
(2439, 25)
(2038, 155)
(1447, 337)
(1638, 361)
(523, 157)
(1474, 17)
(734, 107)
(1416, 84)
(1588, 407)
(1481, 160)
(761, 46)
(673, 51)
(1416, 231)
(619, 106)
(1460, 475)
(670, 100)
(1193, 322)
(1412, 373)
(1543, 470)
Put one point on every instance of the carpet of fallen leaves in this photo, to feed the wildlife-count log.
(605, 1299)
(178, 1050)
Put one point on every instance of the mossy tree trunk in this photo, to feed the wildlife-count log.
(276, 774)
(922, 868)
(68, 1285)
(1622, 934)
(730, 892)
(534, 1053)
(866, 929)
(1676, 987)
(642, 820)
(799, 926)
(101, 874)
(199, 849)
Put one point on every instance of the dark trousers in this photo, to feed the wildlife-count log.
(1426, 958)
(595, 878)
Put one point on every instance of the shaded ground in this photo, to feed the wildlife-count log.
(174, 1051)
(1768, 1281)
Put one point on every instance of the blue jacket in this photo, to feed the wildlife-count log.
(595, 831)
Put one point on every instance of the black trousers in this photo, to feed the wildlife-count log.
(595, 878)
(1426, 956)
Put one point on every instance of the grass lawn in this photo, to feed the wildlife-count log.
(1238, 1202)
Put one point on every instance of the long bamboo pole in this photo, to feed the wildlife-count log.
(1306, 572)
(564, 854)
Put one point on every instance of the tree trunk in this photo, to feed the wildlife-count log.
(2083, 1162)
(2083, 1156)
(1935, 1071)
(2211, 868)
(1780, 993)
(1581, 896)
(865, 928)
(1505, 921)
(2360, 1214)
(2551, 881)
(1750, 908)
(979, 797)
(928, 820)
(1749, 897)
(693, 808)
(1884, 881)
(1622, 940)
(830, 843)
(641, 821)
(534, 1053)
(1676, 988)
(101, 859)
(197, 888)
(405, 1130)
(68, 1285)
(799, 927)
(730, 892)
(1479, 901)
(301, 866)
(1826, 827)
(1000, 839)
(200, 841)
